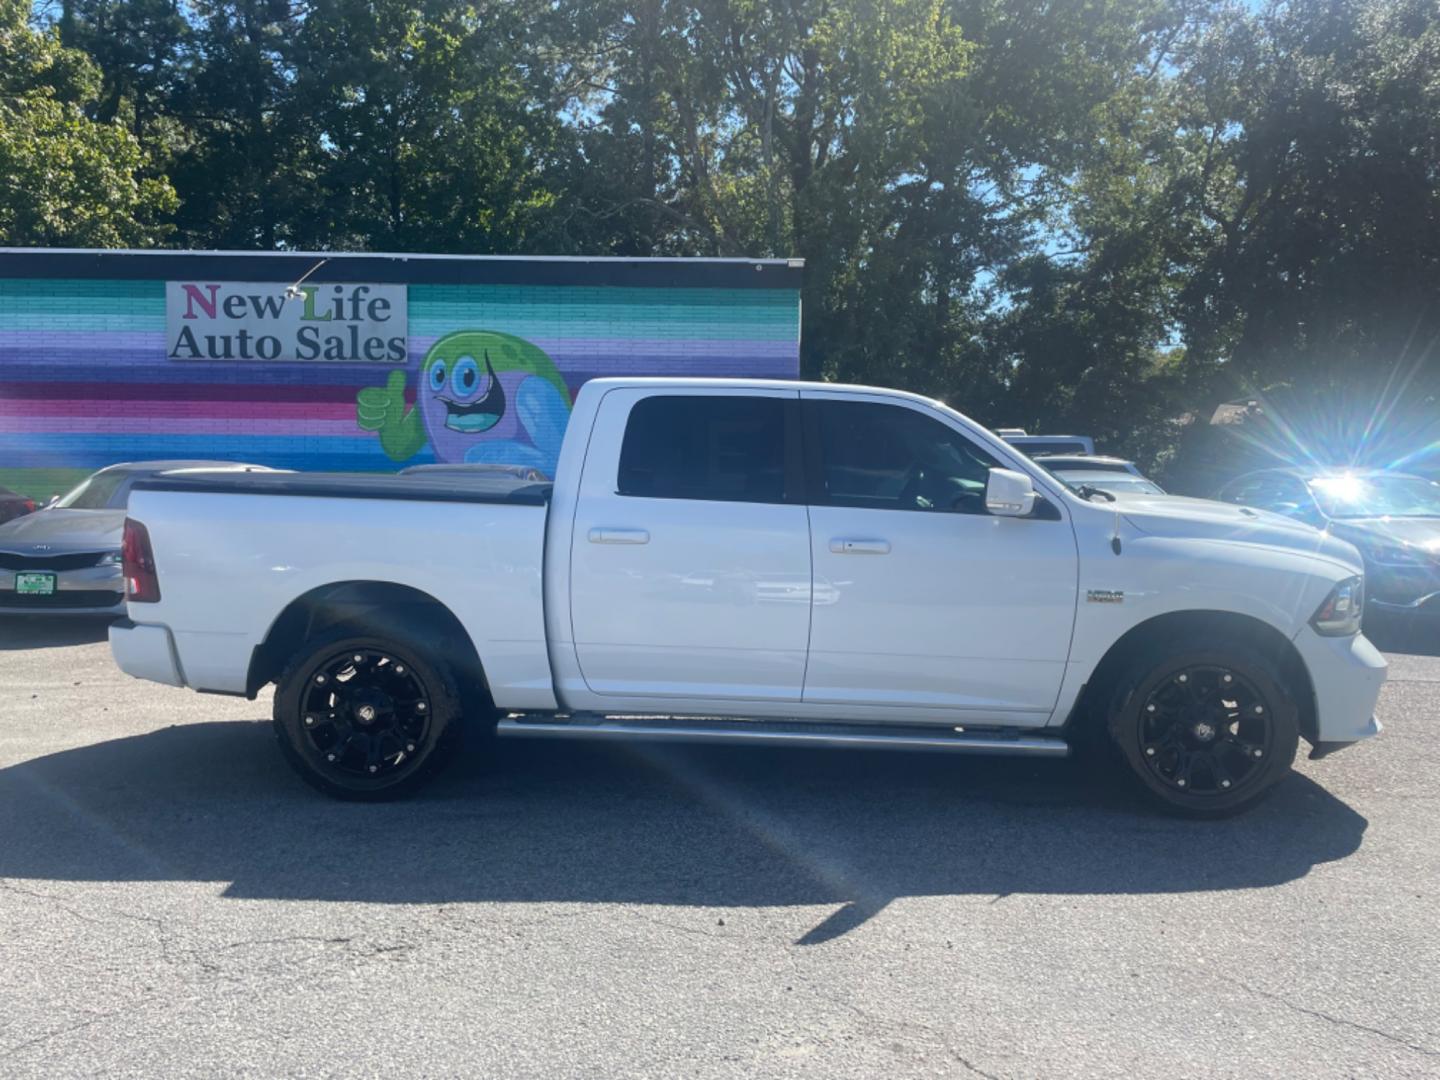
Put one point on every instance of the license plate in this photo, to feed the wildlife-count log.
(35, 584)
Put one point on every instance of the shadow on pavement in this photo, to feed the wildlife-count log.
(708, 827)
(50, 631)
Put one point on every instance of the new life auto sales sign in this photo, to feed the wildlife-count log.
(246, 320)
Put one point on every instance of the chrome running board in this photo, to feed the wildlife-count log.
(950, 739)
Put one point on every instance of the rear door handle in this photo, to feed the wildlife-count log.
(843, 546)
(619, 536)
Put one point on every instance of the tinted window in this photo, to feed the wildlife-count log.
(892, 458)
(729, 449)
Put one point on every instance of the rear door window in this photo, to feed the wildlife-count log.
(710, 447)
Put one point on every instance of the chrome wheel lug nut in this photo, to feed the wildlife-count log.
(1258, 753)
(319, 679)
(1229, 678)
(1149, 751)
(1184, 678)
(410, 748)
(1179, 783)
(374, 768)
(329, 757)
(1259, 709)
(309, 721)
(1224, 783)
(357, 658)
(420, 706)
(1149, 708)
(399, 669)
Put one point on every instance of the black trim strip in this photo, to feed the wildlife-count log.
(353, 486)
(399, 269)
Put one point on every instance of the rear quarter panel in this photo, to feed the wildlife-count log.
(229, 565)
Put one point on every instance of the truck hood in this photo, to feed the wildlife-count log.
(1175, 517)
(56, 532)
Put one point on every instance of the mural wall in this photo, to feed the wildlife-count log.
(87, 377)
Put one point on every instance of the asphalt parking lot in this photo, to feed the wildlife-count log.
(173, 901)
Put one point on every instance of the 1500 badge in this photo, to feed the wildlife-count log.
(1105, 596)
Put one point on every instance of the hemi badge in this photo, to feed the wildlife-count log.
(1105, 596)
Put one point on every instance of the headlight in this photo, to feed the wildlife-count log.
(1340, 614)
(1395, 555)
(110, 558)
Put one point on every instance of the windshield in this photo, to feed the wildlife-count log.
(93, 493)
(1376, 496)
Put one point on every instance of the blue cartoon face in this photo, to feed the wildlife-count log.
(457, 384)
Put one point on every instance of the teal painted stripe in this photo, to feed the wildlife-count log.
(538, 311)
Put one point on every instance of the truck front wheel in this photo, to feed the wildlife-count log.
(366, 718)
(1206, 731)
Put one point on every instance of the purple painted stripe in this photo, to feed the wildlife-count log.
(155, 425)
(226, 408)
(119, 348)
(72, 378)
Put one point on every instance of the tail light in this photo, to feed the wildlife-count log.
(29, 506)
(142, 586)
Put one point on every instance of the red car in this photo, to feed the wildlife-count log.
(13, 505)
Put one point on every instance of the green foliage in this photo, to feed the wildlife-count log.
(1105, 217)
(68, 179)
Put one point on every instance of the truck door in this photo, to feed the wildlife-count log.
(690, 554)
(921, 598)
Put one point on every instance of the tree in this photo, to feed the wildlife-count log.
(68, 179)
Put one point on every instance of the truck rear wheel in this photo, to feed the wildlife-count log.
(1207, 732)
(366, 718)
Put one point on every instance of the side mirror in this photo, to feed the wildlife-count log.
(1009, 493)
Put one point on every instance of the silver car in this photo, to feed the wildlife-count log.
(64, 559)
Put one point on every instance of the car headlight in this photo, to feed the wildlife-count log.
(1395, 555)
(110, 558)
(1340, 614)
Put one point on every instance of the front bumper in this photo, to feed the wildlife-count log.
(1347, 674)
(146, 652)
(91, 590)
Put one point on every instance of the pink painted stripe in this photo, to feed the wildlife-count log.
(242, 409)
(151, 425)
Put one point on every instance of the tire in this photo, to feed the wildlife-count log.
(379, 732)
(1204, 731)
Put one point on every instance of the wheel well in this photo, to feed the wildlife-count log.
(378, 608)
(1221, 625)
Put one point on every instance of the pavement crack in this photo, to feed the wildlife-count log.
(1340, 1021)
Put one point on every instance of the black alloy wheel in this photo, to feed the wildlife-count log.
(1206, 731)
(365, 714)
(366, 718)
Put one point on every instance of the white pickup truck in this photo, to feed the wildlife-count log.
(762, 562)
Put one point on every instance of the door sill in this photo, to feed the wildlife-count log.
(948, 738)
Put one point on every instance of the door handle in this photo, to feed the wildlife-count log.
(843, 546)
(619, 536)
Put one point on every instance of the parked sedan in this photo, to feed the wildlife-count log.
(65, 558)
(1393, 518)
(13, 505)
(1112, 474)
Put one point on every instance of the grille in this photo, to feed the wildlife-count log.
(75, 598)
(11, 561)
